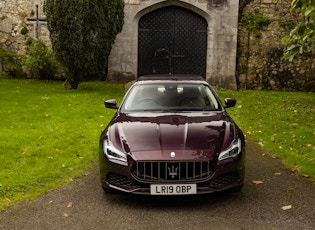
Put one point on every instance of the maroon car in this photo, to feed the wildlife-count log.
(171, 135)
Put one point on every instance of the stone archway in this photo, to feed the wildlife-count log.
(221, 20)
(172, 40)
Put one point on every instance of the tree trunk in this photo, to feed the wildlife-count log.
(71, 84)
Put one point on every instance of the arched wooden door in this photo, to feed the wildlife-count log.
(172, 40)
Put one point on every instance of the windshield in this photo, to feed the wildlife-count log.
(171, 96)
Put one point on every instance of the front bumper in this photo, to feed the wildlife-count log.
(223, 182)
(137, 177)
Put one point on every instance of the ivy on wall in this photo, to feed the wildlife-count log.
(255, 22)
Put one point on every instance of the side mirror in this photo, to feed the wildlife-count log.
(229, 102)
(111, 104)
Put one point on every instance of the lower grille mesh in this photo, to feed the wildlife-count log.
(224, 180)
(119, 180)
(172, 171)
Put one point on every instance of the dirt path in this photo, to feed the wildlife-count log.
(83, 205)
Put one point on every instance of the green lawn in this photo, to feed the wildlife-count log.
(283, 123)
(50, 136)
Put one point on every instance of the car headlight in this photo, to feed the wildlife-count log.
(233, 150)
(113, 153)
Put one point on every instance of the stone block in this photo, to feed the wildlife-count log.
(6, 25)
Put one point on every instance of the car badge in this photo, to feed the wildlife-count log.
(172, 171)
(172, 154)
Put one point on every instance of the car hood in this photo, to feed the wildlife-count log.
(188, 135)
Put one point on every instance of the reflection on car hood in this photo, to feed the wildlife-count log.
(206, 133)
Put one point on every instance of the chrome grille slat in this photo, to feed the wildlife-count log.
(166, 171)
(172, 171)
(144, 170)
(201, 169)
(186, 170)
(137, 167)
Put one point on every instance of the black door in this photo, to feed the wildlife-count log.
(172, 40)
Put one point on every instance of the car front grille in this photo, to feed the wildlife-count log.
(172, 171)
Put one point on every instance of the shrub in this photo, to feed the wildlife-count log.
(12, 64)
(41, 63)
(82, 34)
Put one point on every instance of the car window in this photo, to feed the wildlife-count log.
(170, 96)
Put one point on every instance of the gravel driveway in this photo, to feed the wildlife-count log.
(269, 188)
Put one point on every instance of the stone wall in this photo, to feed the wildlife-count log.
(265, 69)
(16, 15)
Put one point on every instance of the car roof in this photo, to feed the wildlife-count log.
(166, 77)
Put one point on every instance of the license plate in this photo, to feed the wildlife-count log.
(173, 189)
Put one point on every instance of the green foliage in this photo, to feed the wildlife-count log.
(287, 24)
(82, 34)
(29, 41)
(255, 22)
(12, 63)
(41, 62)
(24, 31)
(302, 38)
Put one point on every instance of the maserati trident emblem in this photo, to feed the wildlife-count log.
(172, 171)
(172, 154)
